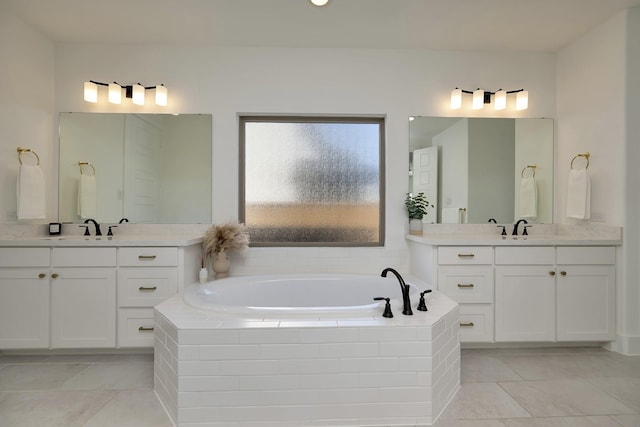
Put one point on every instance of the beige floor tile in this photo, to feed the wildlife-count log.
(566, 366)
(113, 376)
(626, 390)
(560, 398)
(482, 369)
(535, 351)
(600, 421)
(627, 420)
(140, 408)
(483, 401)
(23, 377)
(468, 423)
(50, 408)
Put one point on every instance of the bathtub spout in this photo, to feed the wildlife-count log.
(406, 303)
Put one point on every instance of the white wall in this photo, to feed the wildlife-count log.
(453, 173)
(26, 108)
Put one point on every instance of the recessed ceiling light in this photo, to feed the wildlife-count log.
(319, 2)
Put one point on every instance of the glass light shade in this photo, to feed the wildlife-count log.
(90, 92)
(500, 100)
(319, 2)
(522, 100)
(478, 99)
(162, 95)
(137, 95)
(115, 93)
(456, 98)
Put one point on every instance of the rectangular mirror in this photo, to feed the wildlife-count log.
(475, 169)
(148, 168)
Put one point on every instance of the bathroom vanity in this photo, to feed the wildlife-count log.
(557, 286)
(88, 292)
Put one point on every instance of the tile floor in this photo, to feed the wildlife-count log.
(561, 387)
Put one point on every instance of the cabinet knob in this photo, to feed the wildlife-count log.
(42, 275)
(468, 285)
(54, 276)
(552, 273)
(563, 273)
(466, 324)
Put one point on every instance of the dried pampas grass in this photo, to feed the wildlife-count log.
(232, 236)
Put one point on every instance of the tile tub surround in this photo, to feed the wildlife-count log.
(214, 370)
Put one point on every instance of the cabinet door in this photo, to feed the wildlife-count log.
(24, 308)
(586, 303)
(83, 307)
(525, 303)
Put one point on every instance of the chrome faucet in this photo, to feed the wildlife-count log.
(98, 231)
(515, 226)
(406, 303)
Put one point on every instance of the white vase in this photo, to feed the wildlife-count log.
(415, 227)
(221, 265)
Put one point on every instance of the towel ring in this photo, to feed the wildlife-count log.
(533, 171)
(80, 164)
(585, 155)
(21, 150)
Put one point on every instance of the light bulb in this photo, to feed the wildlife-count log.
(90, 92)
(456, 98)
(319, 2)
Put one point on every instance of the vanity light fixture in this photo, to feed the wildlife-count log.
(481, 97)
(135, 92)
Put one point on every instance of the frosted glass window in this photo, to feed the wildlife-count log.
(312, 181)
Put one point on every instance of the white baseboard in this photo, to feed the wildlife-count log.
(627, 344)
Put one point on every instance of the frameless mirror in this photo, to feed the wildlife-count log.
(148, 168)
(475, 169)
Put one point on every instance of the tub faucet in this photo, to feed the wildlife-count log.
(515, 226)
(98, 231)
(406, 303)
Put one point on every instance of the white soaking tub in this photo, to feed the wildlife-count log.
(304, 350)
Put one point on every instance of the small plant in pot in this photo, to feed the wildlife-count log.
(417, 209)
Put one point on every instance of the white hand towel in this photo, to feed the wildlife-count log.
(528, 198)
(30, 190)
(579, 194)
(87, 199)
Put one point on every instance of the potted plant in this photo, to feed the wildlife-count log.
(417, 209)
(219, 240)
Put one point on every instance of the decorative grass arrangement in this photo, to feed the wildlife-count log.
(232, 236)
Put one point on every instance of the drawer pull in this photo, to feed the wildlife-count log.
(466, 325)
(144, 329)
(147, 288)
(466, 286)
(466, 255)
(42, 275)
(146, 257)
(552, 273)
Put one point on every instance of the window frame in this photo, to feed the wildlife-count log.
(379, 120)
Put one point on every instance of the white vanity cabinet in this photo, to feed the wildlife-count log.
(147, 276)
(83, 297)
(465, 273)
(24, 298)
(555, 294)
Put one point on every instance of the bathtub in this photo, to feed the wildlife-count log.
(299, 295)
(304, 350)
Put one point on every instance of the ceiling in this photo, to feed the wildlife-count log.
(485, 25)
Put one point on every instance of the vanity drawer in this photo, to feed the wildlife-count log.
(135, 327)
(586, 255)
(466, 283)
(465, 255)
(476, 323)
(529, 255)
(145, 287)
(24, 257)
(83, 257)
(148, 257)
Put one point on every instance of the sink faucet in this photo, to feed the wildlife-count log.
(98, 231)
(515, 226)
(406, 303)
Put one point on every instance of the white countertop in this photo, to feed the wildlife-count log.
(497, 240)
(103, 241)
